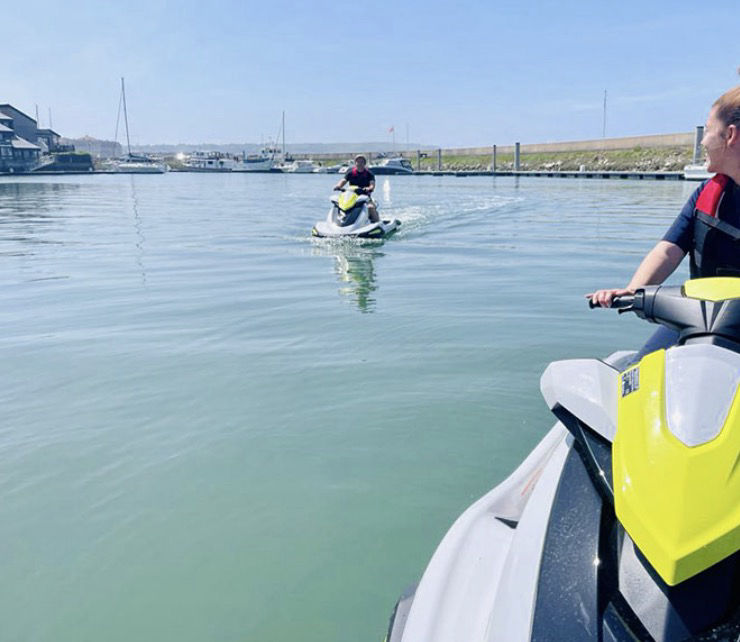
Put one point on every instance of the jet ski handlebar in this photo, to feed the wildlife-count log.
(622, 303)
(690, 316)
(642, 302)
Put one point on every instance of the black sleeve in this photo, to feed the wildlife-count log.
(371, 176)
(347, 175)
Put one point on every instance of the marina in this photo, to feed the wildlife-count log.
(271, 159)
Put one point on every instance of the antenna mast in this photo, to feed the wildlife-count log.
(125, 115)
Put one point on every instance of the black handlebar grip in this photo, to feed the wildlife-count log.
(618, 302)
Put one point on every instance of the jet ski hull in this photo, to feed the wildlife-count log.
(349, 217)
(542, 556)
(382, 229)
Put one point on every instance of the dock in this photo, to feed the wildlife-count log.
(623, 175)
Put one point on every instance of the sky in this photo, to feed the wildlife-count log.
(447, 74)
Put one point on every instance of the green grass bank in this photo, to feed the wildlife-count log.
(639, 159)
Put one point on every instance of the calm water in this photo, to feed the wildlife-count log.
(216, 428)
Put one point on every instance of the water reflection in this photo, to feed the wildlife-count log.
(27, 209)
(386, 192)
(354, 265)
(138, 230)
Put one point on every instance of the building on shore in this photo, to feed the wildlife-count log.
(26, 148)
(49, 141)
(17, 153)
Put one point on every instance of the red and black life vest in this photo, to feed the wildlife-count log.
(708, 229)
(361, 179)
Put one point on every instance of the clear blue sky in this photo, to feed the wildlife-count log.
(459, 74)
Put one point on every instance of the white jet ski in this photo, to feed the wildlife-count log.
(624, 522)
(349, 216)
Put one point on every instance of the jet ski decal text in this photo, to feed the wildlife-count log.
(630, 381)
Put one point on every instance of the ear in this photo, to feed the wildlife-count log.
(733, 136)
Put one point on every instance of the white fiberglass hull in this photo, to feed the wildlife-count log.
(140, 168)
(254, 166)
(696, 173)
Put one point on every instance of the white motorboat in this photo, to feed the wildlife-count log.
(209, 162)
(328, 169)
(262, 162)
(299, 167)
(395, 165)
(696, 172)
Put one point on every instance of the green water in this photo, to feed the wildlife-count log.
(216, 428)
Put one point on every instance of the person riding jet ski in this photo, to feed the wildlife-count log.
(353, 212)
(360, 176)
(708, 227)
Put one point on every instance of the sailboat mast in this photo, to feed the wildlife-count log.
(283, 133)
(125, 115)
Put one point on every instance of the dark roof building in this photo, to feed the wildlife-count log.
(23, 124)
(17, 153)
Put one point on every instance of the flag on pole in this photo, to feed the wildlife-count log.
(391, 129)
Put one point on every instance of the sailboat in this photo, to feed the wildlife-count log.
(133, 163)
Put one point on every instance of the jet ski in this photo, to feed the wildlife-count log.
(349, 216)
(624, 522)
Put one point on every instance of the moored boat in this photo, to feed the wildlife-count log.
(395, 165)
(132, 163)
(264, 161)
(209, 162)
(299, 167)
(696, 172)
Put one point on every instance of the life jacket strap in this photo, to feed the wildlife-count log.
(723, 226)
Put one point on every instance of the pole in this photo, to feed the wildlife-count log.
(439, 160)
(37, 115)
(51, 125)
(493, 160)
(418, 160)
(516, 157)
(283, 128)
(603, 130)
(698, 135)
(125, 115)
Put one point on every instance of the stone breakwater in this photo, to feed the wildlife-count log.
(662, 152)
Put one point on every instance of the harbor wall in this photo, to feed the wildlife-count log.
(601, 144)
